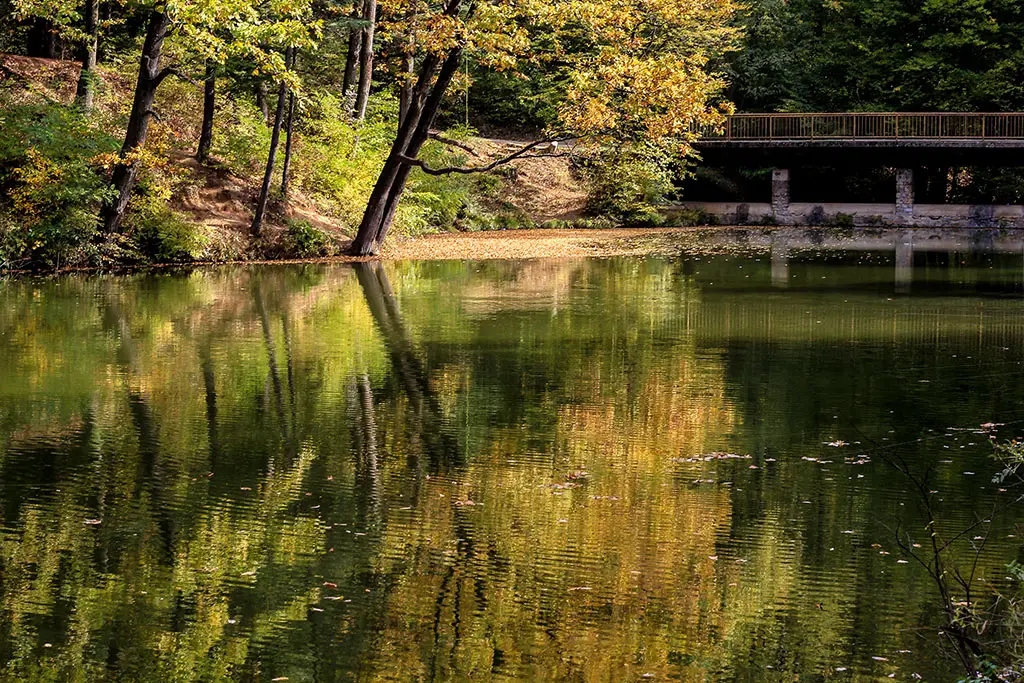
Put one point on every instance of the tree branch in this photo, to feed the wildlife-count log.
(453, 143)
(519, 154)
(170, 71)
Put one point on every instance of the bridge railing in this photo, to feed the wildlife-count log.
(871, 126)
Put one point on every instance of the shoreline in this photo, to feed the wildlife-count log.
(534, 243)
(575, 243)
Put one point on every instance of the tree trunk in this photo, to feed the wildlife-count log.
(149, 79)
(286, 166)
(366, 59)
(289, 127)
(380, 210)
(262, 100)
(355, 42)
(408, 75)
(87, 77)
(42, 41)
(275, 138)
(209, 102)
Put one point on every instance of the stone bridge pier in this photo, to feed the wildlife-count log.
(781, 196)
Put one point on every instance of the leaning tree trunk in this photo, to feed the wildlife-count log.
(275, 138)
(366, 59)
(355, 42)
(209, 102)
(405, 95)
(414, 131)
(150, 77)
(87, 77)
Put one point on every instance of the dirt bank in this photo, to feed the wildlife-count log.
(526, 244)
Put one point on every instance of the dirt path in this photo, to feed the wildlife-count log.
(526, 244)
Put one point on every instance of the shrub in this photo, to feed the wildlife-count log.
(626, 185)
(303, 240)
(842, 220)
(696, 216)
(163, 235)
(50, 186)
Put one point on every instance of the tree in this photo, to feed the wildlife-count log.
(87, 78)
(53, 21)
(268, 174)
(636, 71)
(200, 26)
(209, 107)
(366, 58)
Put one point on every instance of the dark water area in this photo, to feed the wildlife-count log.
(584, 470)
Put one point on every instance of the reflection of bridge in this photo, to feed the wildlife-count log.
(785, 243)
(902, 141)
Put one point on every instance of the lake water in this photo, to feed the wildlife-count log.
(583, 470)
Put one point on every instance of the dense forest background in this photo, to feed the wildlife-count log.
(269, 135)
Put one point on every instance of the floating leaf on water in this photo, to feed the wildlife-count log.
(709, 457)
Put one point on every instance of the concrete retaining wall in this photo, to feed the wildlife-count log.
(922, 215)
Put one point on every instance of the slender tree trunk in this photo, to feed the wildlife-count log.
(87, 77)
(262, 101)
(209, 102)
(355, 42)
(366, 59)
(149, 79)
(275, 138)
(380, 210)
(287, 165)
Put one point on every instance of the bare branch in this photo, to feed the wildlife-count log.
(522, 153)
(172, 70)
(453, 143)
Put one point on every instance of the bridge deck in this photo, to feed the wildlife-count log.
(969, 128)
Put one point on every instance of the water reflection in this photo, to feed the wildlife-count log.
(484, 470)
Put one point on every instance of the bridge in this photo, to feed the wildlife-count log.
(898, 140)
(872, 126)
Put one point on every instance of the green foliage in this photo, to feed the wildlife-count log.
(693, 217)
(841, 220)
(164, 235)
(50, 189)
(241, 137)
(303, 240)
(627, 185)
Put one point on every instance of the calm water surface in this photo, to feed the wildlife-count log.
(498, 470)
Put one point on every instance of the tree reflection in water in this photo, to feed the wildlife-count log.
(493, 469)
